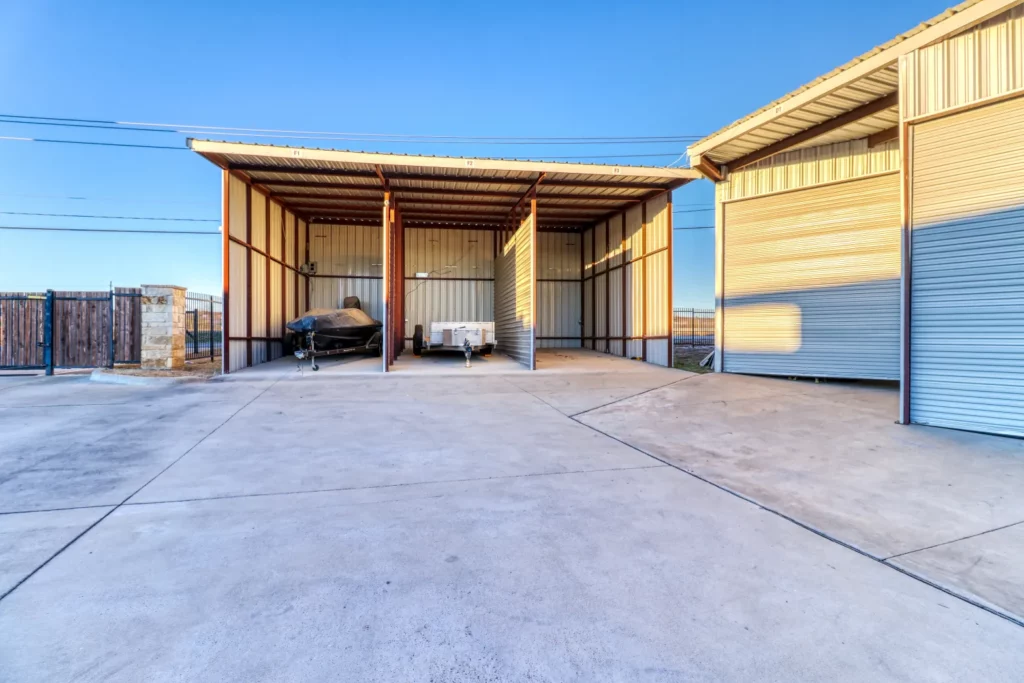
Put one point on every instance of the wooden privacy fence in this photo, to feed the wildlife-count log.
(70, 329)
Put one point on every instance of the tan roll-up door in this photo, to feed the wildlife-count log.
(967, 283)
(812, 281)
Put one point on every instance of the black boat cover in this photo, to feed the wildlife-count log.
(325, 319)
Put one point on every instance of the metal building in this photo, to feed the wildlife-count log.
(556, 254)
(871, 223)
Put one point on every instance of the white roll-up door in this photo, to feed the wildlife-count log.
(812, 281)
(967, 282)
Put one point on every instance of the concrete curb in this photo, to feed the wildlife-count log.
(107, 377)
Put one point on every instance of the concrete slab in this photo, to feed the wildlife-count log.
(988, 568)
(378, 432)
(27, 540)
(73, 444)
(831, 456)
(573, 381)
(613, 576)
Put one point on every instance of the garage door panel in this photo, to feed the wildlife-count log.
(812, 282)
(967, 286)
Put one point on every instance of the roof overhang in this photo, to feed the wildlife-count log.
(856, 100)
(341, 186)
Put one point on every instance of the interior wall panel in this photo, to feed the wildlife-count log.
(276, 248)
(632, 276)
(289, 239)
(441, 300)
(238, 302)
(558, 256)
(276, 301)
(447, 253)
(259, 221)
(558, 314)
(600, 313)
(237, 216)
(346, 249)
(327, 292)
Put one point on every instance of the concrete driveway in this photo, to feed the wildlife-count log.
(460, 527)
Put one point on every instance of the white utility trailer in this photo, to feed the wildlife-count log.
(455, 336)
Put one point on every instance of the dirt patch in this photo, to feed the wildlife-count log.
(199, 369)
(689, 357)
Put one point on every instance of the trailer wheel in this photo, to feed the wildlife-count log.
(417, 340)
(486, 350)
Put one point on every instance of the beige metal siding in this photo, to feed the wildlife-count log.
(236, 198)
(514, 291)
(628, 299)
(258, 302)
(967, 282)
(810, 166)
(259, 221)
(238, 301)
(276, 231)
(346, 249)
(449, 253)
(354, 254)
(812, 281)
(441, 300)
(982, 63)
(615, 303)
(558, 290)
(327, 292)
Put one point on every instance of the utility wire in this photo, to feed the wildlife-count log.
(402, 136)
(694, 210)
(118, 218)
(117, 230)
(99, 199)
(98, 144)
(120, 144)
(696, 227)
(318, 135)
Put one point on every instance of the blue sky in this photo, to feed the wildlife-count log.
(447, 68)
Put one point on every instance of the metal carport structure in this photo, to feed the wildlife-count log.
(455, 238)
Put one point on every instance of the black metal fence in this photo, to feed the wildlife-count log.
(204, 316)
(693, 327)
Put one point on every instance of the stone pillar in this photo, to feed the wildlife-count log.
(163, 327)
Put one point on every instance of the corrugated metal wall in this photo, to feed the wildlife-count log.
(352, 255)
(459, 286)
(984, 62)
(558, 290)
(514, 294)
(810, 166)
(967, 284)
(588, 289)
(626, 283)
(812, 281)
(258, 292)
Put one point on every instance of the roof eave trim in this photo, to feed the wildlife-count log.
(954, 24)
(208, 147)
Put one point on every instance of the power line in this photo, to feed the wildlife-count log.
(696, 227)
(694, 210)
(119, 144)
(187, 129)
(117, 230)
(98, 144)
(118, 218)
(100, 199)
